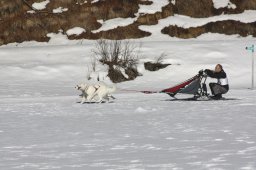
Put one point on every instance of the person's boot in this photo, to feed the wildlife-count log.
(217, 97)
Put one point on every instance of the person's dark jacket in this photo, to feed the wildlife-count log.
(221, 76)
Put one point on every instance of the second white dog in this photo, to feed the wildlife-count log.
(104, 92)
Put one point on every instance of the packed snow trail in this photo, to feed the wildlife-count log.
(137, 131)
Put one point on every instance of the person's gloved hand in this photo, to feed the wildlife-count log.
(201, 72)
(207, 71)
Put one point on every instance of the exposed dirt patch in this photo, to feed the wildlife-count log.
(116, 76)
(127, 32)
(194, 8)
(152, 19)
(16, 25)
(228, 27)
(154, 66)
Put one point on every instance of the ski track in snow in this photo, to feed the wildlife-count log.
(137, 131)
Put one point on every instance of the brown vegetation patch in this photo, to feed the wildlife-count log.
(244, 4)
(116, 75)
(11, 8)
(148, 2)
(152, 19)
(154, 66)
(228, 27)
(127, 32)
(131, 31)
(16, 25)
(194, 8)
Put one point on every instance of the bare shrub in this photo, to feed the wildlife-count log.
(118, 55)
(160, 58)
(116, 52)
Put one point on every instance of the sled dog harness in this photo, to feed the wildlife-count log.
(96, 87)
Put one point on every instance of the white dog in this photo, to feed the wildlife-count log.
(100, 90)
(87, 91)
(104, 92)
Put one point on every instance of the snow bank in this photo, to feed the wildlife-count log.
(186, 22)
(187, 58)
(58, 38)
(114, 23)
(75, 31)
(223, 3)
(59, 10)
(40, 5)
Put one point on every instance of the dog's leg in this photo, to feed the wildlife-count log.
(94, 95)
(89, 98)
(83, 100)
(100, 99)
(84, 96)
(112, 97)
(107, 98)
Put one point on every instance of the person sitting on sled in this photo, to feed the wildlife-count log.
(221, 87)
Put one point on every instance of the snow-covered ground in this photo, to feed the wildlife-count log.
(137, 131)
(43, 127)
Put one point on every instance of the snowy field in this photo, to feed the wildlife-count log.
(43, 127)
(137, 131)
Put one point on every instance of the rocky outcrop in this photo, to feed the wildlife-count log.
(18, 25)
(244, 5)
(10, 9)
(152, 19)
(154, 66)
(228, 27)
(195, 8)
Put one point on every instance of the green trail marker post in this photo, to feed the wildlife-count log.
(251, 48)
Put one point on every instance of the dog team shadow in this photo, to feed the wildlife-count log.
(200, 100)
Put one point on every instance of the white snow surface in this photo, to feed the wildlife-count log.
(40, 5)
(223, 3)
(114, 23)
(75, 31)
(43, 127)
(59, 10)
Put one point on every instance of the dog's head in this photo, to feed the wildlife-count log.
(78, 87)
(81, 86)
